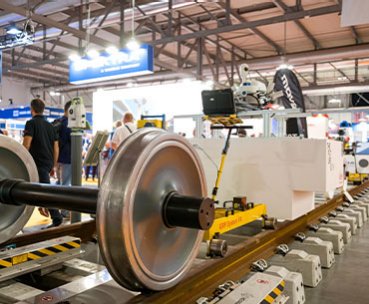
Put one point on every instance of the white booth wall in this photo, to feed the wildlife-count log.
(170, 99)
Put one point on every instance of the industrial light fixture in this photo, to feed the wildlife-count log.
(93, 54)
(111, 50)
(13, 30)
(334, 100)
(209, 83)
(285, 66)
(74, 57)
(17, 35)
(52, 93)
(132, 43)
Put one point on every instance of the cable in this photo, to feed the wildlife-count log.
(133, 18)
(207, 156)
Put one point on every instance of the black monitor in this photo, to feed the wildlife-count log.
(218, 102)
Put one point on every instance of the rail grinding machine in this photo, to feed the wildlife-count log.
(151, 208)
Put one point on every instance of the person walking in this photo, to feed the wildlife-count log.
(122, 132)
(41, 140)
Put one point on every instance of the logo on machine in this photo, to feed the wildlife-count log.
(288, 91)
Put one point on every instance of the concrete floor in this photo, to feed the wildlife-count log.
(348, 280)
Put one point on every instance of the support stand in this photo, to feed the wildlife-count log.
(76, 144)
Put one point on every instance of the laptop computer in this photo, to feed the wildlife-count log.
(218, 102)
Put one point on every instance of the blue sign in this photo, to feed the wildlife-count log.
(1, 67)
(124, 63)
(25, 112)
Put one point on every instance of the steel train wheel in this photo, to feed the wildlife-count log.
(143, 253)
(15, 162)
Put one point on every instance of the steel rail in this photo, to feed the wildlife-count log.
(202, 281)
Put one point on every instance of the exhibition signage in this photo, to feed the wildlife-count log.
(285, 81)
(121, 64)
(25, 112)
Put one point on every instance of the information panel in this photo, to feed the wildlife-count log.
(124, 63)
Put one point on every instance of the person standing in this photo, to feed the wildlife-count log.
(65, 151)
(41, 140)
(122, 132)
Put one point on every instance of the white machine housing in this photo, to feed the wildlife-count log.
(77, 114)
(282, 173)
(361, 161)
(249, 86)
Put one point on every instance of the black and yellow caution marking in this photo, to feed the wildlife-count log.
(39, 253)
(269, 299)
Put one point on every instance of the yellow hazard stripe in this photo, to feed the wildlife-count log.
(47, 252)
(60, 248)
(269, 299)
(42, 252)
(74, 244)
(5, 263)
(277, 291)
(33, 256)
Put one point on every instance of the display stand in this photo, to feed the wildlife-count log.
(93, 155)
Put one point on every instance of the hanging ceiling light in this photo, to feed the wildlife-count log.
(132, 43)
(13, 30)
(74, 57)
(111, 50)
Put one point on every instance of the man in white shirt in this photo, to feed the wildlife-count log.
(122, 132)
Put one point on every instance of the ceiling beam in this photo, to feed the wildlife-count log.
(285, 8)
(53, 23)
(355, 34)
(253, 24)
(255, 31)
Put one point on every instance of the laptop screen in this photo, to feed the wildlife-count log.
(218, 102)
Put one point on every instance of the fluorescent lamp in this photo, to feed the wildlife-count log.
(112, 50)
(209, 83)
(93, 54)
(13, 30)
(334, 100)
(74, 57)
(133, 44)
(285, 66)
(52, 93)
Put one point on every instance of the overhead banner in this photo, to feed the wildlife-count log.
(122, 64)
(286, 81)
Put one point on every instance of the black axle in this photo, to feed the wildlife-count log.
(178, 210)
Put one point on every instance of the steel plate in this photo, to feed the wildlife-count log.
(15, 162)
(138, 249)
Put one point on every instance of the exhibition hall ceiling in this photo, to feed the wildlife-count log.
(205, 40)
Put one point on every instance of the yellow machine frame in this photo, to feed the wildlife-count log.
(357, 177)
(229, 219)
(224, 222)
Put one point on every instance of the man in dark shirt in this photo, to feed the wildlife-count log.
(64, 160)
(41, 140)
